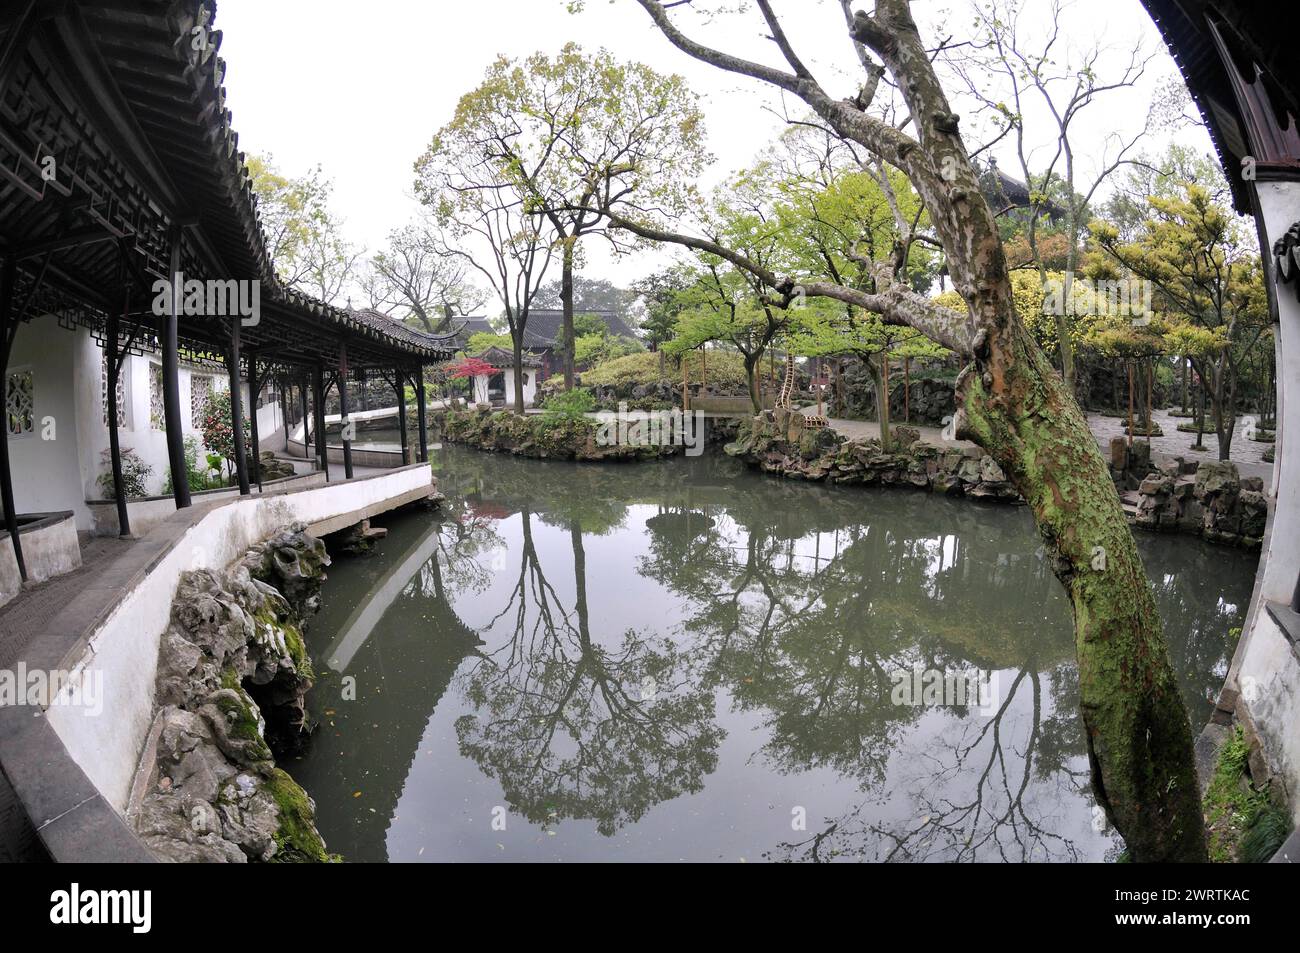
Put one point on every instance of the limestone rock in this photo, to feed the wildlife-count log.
(233, 673)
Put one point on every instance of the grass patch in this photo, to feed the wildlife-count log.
(1242, 825)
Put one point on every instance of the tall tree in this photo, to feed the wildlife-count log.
(1010, 401)
(304, 237)
(590, 131)
(414, 281)
(1202, 263)
(473, 180)
(1019, 72)
(589, 294)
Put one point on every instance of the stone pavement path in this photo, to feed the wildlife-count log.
(870, 430)
(1247, 454)
(28, 612)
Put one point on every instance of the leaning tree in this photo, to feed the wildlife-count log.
(1010, 401)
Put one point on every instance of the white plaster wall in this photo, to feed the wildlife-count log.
(269, 421)
(45, 463)
(481, 382)
(125, 646)
(1269, 680)
(1280, 203)
(1268, 672)
(138, 433)
(530, 387)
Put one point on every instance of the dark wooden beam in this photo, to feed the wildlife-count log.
(114, 443)
(167, 339)
(236, 408)
(322, 445)
(420, 409)
(400, 387)
(345, 423)
(8, 275)
(254, 391)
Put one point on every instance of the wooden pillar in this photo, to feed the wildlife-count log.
(907, 390)
(8, 330)
(282, 385)
(400, 388)
(1130, 403)
(1151, 382)
(114, 443)
(171, 374)
(302, 409)
(237, 408)
(686, 382)
(254, 391)
(419, 408)
(318, 399)
(344, 422)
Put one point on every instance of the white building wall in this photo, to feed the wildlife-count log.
(530, 386)
(57, 466)
(1266, 668)
(45, 463)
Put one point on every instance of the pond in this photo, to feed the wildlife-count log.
(687, 660)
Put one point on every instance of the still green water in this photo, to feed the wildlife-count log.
(686, 660)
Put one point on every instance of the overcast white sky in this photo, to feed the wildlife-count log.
(360, 87)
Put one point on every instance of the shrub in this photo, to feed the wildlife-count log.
(135, 475)
(198, 475)
(218, 431)
(726, 371)
(631, 369)
(573, 403)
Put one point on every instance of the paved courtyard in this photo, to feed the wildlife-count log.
(1247, 454)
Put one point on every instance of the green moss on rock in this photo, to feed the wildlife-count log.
(297, 840)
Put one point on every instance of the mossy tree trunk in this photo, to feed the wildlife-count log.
(1013, 403)
(1138, 734)
(566, 303)
(751, 380)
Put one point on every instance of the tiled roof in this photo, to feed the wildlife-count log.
(134, 106)
(501, 358)
(545, 324)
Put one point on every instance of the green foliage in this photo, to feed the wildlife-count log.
(218, 428)
(480, 342)
(573, 403)
(1265, 834)
(135, 475)
(1233, 805)
(603, 346)
(304, 238)
(199, 476)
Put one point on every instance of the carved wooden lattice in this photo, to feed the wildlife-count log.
(103, 394)
(20, 403)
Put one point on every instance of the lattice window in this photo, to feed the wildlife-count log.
(200, 393)
(157, 416)
(103, 394)
(20, 403)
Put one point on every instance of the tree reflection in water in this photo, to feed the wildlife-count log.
(573, 726)
(781, 613)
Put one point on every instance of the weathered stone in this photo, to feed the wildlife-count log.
(233, 671)
(1217, 476)
(1156, 484)
(905, 436)
(990, 472)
